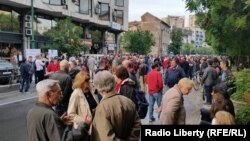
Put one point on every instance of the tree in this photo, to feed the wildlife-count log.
(176, 37)
(226, 22)
(67, 37)
(139, 42)
(187, 49)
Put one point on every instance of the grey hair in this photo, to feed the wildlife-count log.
(104, 81)
(44, 86)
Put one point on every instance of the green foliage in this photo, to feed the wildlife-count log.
(226, 22)
(67, 37)
(204, 51)
(176, 38)
(9, 23)
(242, 84)
(95, 35)
(243, 117)
(139, 42)
(187, 49)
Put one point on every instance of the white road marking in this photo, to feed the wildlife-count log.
(19, 100)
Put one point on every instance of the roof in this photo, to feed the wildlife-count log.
(156, 18)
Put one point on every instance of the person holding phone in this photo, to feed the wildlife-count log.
(43, 124)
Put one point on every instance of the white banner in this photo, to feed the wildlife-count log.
(33, 53)
(52, 53)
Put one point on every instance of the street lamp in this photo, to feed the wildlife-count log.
(32, 25)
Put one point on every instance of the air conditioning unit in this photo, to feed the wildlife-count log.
(28, 24)
(114, 14)
(98, 9)
(76, 2)
(28, 18)
(28, 32)
(65, 6)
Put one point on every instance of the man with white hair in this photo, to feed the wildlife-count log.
(42, 122)
(65, 83)
(115, 117)
(172, 107)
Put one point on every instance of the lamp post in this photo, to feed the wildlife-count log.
(32, 25)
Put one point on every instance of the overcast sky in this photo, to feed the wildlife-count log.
(159, 8)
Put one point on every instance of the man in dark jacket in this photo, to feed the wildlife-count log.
(185, 66)
(65, 83)
(173, 74)
(209, 80)
(25, 75)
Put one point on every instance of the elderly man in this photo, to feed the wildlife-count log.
(116, 117)
(43, 124)
(172, 108)
(65, 83)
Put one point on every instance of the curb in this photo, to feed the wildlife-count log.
(9, 88)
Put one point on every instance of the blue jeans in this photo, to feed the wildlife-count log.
(25, 84)
(156, 97)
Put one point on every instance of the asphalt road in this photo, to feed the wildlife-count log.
(14, 107)
(192, 103)
(13, 122)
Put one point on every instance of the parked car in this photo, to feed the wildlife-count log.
(7, 72)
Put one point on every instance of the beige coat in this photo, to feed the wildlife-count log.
(116, 119)
(173, 111)
(78, 105)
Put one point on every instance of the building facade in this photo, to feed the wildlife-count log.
(102, 15)
(192, 21)
(159, 29)
(177, 21)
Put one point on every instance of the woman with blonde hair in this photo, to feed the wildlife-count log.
(223, 118)
(82, 103)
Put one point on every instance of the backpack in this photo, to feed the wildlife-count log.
(142, 104)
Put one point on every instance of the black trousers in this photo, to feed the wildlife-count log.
(40, 75)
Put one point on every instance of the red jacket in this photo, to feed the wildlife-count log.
(53, 67)
(154, 81)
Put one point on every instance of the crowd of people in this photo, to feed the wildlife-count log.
(95, 98)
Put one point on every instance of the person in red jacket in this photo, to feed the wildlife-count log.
(53, 66)
(155, 86)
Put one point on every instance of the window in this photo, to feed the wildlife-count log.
(119, 2)
(55, 2)
(118, 16)
(85, 6)
(10, 21)
(104, 14)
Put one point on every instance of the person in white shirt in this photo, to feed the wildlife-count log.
(39, 68)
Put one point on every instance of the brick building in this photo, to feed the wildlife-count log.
(159, 29)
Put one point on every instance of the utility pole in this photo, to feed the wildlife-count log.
(32, 25)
